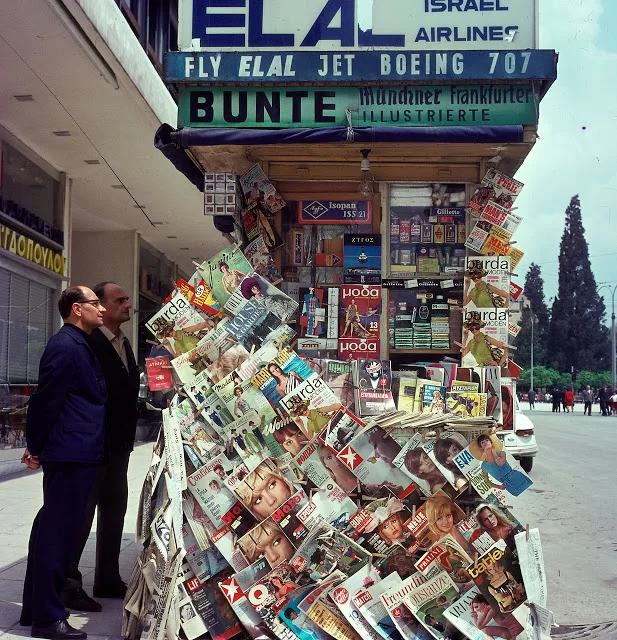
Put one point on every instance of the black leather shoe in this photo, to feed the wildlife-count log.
(117, 590)
(79, 600)
(58, 630)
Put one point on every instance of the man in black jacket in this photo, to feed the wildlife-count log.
(65, 434)
(110, 493)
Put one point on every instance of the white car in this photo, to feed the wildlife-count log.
(521, 442)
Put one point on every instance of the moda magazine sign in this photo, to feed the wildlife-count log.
(408, 106)
(323, 25)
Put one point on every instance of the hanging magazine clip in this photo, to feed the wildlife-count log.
(526, 532)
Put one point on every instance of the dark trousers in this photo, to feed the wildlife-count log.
(109, 498)
(587, 409)
(55, 532)
(604, 408)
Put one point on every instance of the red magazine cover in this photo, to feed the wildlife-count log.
(360, 307)
(159, 373)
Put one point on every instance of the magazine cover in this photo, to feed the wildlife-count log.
(178, 326)
(487, 454)
(370, 456)
(192, 624)
(281, 376)
(254, 287)
(370, 605)
(314, 313)
(429, 601)
(354, 348)
(258, 224)
(362, 259)
(508, 414)
(159, 373)
(202, 296)
(373, 380)
(267, 540)
(312, 404)
(447, 555)
(472, 615)
(498, 576)
(490, 378)
(321, 609)
(498, 187)
(501, 217)
(338, 375)
(213, 609)
(433, 399)
(487, 283)
(224, 272)
(348, 595)
(297, 621)
(253, 325)
(466, 404)
(257, 188)
(258, 255)
(233, 590)
(435, 519)
(415, 462)
(485, 338)
(246, 436)
(190, 366)
(489, 523)
(241, 397)
(265, 489)
(341, 430)
(208, 487)
(407, 624)
(360, 309)
(442, 452)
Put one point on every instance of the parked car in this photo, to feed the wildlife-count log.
(521, 443)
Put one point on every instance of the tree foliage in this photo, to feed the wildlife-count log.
(547, 378)
(577, 335)
(538, 311)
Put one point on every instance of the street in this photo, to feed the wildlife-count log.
(573, 504)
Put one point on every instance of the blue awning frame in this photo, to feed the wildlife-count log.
(173, 142)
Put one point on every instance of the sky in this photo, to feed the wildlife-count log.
(577, 148)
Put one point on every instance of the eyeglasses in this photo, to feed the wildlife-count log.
(94, 303)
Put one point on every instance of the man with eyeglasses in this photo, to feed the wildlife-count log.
(110, 494)
(65, 435)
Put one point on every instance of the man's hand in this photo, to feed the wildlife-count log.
(31, 461)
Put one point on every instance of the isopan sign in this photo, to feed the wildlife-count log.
(354, 25)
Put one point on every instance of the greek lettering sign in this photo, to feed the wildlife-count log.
(334, 212)
(272, 67)
(408, 106)
(30, 250)
(330, 25)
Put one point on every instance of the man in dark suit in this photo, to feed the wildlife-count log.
(110, 493)
(65, 434)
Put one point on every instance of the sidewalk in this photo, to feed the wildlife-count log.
(20, 499)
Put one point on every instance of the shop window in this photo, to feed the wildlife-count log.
(28, 186)
(25, 327)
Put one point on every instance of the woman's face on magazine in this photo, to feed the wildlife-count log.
(426, 465)
(445, 522)
(392, 528)
(487, 518)
(293, 444)
(276, 548)
(269, 492)
(453, 450)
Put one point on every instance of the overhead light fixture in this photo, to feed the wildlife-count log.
(143, 206)
(184, 248)
(156, 224)
(172, 237)
(366, 178)
(92, 161)
(26, 97)
(118, 186)
(62, 134)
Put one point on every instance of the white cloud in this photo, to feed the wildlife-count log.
(577, 149)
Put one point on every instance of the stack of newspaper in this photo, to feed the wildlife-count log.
(295, 499)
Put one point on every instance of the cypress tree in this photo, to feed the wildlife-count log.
(577, 336)
(534, 293)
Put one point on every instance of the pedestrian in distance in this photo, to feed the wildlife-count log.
(569, 401)
(614, 403)
(588, 398)
(531, 396)
(604, 396)
(109, 496)
(65, 434)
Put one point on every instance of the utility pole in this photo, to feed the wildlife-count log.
(533, 321)
(613, 351)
